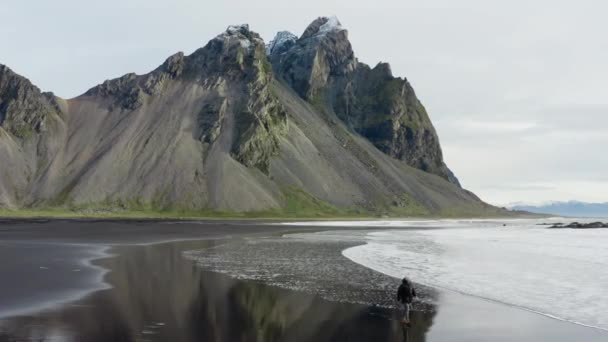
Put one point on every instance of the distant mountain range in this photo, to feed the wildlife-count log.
(569, 208)
(237, 126)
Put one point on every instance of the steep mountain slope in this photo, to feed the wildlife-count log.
(219, 130)
(321, 67)
(32, 130)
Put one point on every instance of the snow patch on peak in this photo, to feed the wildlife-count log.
(332, 24)
(280, 40)
(245, 44)
(241, 33)
(233, 29)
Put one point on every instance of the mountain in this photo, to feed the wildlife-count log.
(236, 126)
(321, 67)
(569, 208)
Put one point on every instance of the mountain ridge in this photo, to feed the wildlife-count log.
(321, 66)
(566, 208)
(222, 129)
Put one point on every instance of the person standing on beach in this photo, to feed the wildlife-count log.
(405, 296)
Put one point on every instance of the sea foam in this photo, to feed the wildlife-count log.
(561, 273)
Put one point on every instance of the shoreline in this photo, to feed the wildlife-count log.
(495, 301)
(120, 253)
(501, 265)
(89, 276)
(84, 250)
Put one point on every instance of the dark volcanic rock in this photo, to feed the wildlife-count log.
(239, 57)
(128, 92)
(321, 67)
(236, 57)
(281, 43)
(577, 225)
(174, 65)
(315, 59)
(24, 109)
(124, 92)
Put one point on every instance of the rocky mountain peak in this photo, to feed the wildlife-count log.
(234, 29)
(321, 67)
(327, 36)
(234, 50)
(24, 109)
(174, 65)
(12, 83)
(384, 69)
(322, 26)
(282, 42)
(243, 34)
(4, 69)
(321, 52)
(237, 59)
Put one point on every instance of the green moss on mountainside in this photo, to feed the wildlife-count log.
(298, 204)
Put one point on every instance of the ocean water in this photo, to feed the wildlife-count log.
(561, 273)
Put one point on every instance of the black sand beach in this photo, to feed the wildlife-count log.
(152, 292)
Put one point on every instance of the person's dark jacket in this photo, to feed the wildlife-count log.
(406, 293)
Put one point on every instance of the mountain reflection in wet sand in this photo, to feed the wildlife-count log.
(158, 295)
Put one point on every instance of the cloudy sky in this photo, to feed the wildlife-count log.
(516, 89)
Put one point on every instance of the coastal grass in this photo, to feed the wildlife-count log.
(68, 213)
(277, 214)
(299, 204)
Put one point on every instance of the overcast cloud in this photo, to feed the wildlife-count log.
(516, 89)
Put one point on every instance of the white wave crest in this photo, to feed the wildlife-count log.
(562, 273)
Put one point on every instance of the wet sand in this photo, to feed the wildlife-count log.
(47, 262)
(36, 276)
(157, 294)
